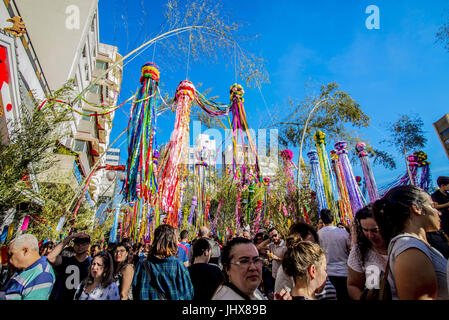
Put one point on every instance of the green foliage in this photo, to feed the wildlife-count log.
(406, 134)
(334, 110)
(33, 140)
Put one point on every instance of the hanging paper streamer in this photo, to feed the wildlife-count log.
(200, 186)
(192, 209)
(318, 179)
(176, 154)
(60, 224)
(26, 220)
(287, 156)
(425, 182)
(344, 203)
(240, 128)
(113, 233)
(326, 171)
(4, 234)
(370, 182)
(10, 232)
(409, 177)
(142, 148)
(355, 194)
(258, 216)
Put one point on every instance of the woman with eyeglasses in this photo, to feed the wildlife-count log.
(305, 262)
(243, 271)
(368, 256)
(99, 284)
(123, 271)
(405, 214)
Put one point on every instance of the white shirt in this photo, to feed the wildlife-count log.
(226, 293)
(336, 244)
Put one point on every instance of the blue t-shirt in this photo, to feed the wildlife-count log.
(183, 254)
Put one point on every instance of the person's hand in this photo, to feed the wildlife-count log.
(282, 295)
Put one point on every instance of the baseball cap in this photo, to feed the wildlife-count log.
(84, 238)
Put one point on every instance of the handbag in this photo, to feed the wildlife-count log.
(383, 293)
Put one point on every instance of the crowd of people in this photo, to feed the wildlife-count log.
(395, 248)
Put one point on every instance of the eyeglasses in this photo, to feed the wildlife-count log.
(375, 230)
(246, 262)
(120, 251)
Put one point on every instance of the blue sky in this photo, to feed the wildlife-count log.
(398, 69)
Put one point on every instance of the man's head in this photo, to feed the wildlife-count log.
(326, 216)
(201, 249)
(246, 234)
(203, 232)
(23, 251)
(443, 183)
(184, 235)
(274, 235)
(81, 244)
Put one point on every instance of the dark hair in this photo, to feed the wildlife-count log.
(226, 254)
(442, 180)
(200, 245)
(258, 235)
(304, 229)
(363, 242)
(108, 270)
(393, 210)
(326, 215)
(184, 234)
(299, 256)
(50, 245)
(272, 229)
(165, 241)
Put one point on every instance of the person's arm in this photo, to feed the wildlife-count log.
(355, 284)
(54, 256)
(263, 244)
(440, 206)
(415, 276)
(127, 279)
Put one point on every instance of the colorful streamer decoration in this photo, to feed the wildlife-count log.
(318, 179)
(140, 181)
(176, 154)
(370, 182)
(287, 156)
(425, 181)
(326, 170)
(240, 128)
(354, 192)
(200, 167)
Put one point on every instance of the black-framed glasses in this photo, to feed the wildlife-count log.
(246, 262)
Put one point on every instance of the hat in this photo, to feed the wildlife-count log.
(84, 238)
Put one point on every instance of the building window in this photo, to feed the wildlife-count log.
(86, 69)
(84, 52)
(95, 89)
(101, 65)
(79, 146)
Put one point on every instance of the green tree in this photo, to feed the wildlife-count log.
(332, 111)
(406, 135)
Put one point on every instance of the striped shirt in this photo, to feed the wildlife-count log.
(33, 283)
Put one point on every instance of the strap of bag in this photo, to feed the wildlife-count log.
(79, 292)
